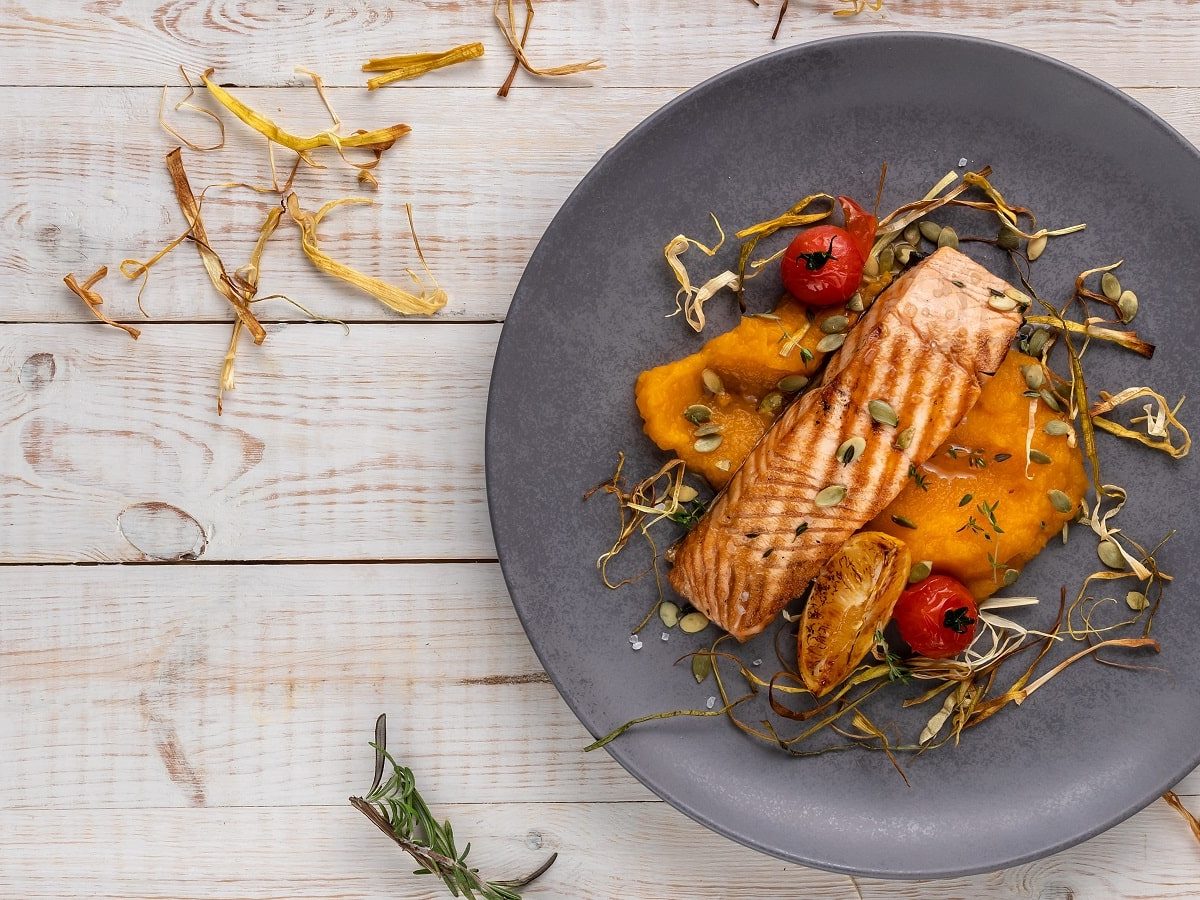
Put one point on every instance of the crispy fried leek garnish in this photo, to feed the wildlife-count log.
(91, 297)
(428, 301)
(1176, 804)
(186, 103)
(380, 139)
(798, 215)
(690, 299)
(507, 20)
(1160, 421)
(208, 256)
(1094, 328)
(414, 65)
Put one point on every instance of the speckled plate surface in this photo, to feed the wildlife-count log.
(1095, 746)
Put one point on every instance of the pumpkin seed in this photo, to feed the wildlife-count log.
(830, 496)
(920, 571)
(831, 342)
(1035, 377)
(1037, 342)
(1036, 247)
(701, 667)
(931, 231)
(1057, 427)
(697, 413)
(723, 464)
(1127, 305)
(708, 443)
(887, 259)
(1050, 400)
(904, 522)
(1136, 601)
(792, 383)
(1022, 300)
(693, 623)
(1008, 239)
(835, 325)
(1010, 575)
(687, 493)
(669, 613)
(1060, 501)
(1037, 456)
(905, 438)
(948, 238)
(712, 381)
(904, 254)
(1111, 286)
(1002, 303)
(871, 269)
(771, 403)
(1110, 555)
(851, 450)
(881, 411)
(912, 233)
(1001, 457)
(855, 303)
(707, 430)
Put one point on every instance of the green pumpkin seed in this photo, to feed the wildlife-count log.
(1037, 456)
(1136, 601)
(905, 438)
(1127, 305)
(1050, 400)
(948, 238)
(771, 403)
(712, 381)
(1110, 555)
(724, 465)
(887, 259)
(851, 450)
(1002, 303)
(697, 414)
(912, 233)
(686, 493)
(693, 623)
(668, 612)
(871, 269)
(1010, 575)
(1111, 286)
(701, 667)
(831, 496)
(706, 430)
(966, 498)
(792, 383)
(904, 522)
(831, 342)
(931, 231)
(1037, 342)
(855, 303)
(904, 254)
(835, 325)
(920, 571)
(881, 411)
(1034, 376)
(1057, 427)
(1037, 246)
(1008, 239)
(1022, 300)
(1060, 501)
(708, 443)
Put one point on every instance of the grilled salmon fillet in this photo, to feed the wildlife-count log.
(925, 348)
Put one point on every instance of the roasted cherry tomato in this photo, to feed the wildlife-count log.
(822, 266)
(937, 617)
(861, 225)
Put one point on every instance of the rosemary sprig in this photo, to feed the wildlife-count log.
(396, 808)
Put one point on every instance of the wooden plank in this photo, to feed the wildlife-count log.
(334, 446)
(156, 686)
(653, 42)
(479, 212)
(606, 850)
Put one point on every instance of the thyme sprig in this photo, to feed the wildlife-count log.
(396, 808)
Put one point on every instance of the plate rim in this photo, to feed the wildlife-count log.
(1004, 861)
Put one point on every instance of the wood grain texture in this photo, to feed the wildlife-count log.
(606, 850)
(334, 446)
(648, 43)
(479, 210)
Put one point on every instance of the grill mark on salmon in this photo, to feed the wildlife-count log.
(927, 347)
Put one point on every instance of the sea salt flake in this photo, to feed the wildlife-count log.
(637, 645)
(962, 162)
(757, 662)
(665, 636)
(712, 701)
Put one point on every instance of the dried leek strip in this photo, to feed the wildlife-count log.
(1158, 421)
(428, 301)
(91, 297)
(414, 65)
(1130, 340)
(690, 299)
(1176, 804)
(378, 140)
(208, 256)
(186, 103)
(508, 27)
(798, 215)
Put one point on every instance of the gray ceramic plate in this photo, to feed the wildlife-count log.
(1091, 749)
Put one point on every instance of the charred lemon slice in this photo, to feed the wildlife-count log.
(850, 599)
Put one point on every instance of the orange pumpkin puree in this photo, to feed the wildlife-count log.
(958, 538)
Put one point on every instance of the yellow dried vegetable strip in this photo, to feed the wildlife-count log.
(414, 65)
(508, 27)
(94, 301)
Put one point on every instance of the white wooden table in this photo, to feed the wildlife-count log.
(179, 728)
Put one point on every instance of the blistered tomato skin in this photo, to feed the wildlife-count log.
(937, 617)
(822, 266)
